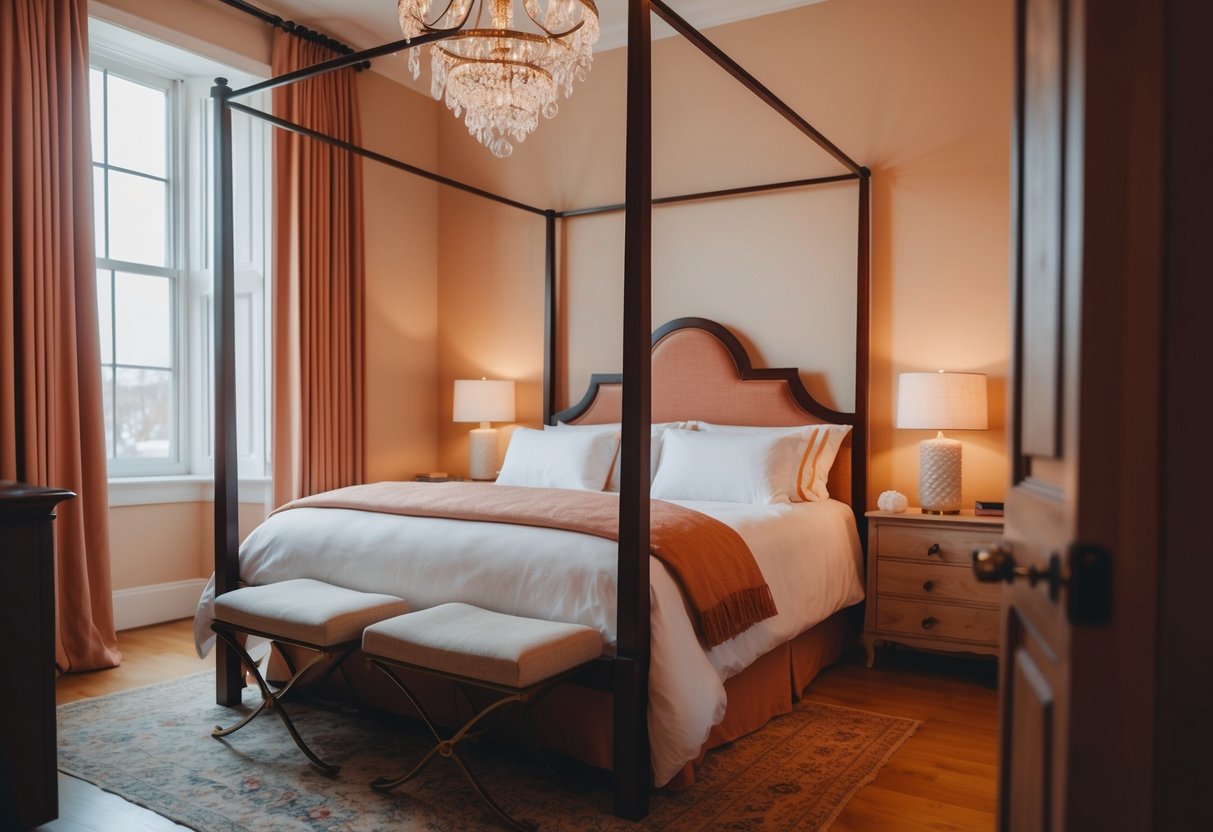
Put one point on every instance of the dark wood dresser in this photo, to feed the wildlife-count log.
(29, 792)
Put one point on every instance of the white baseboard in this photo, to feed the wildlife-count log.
(143, 605)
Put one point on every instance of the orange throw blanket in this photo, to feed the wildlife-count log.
(716, 569)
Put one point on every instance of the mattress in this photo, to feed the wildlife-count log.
(809, 554)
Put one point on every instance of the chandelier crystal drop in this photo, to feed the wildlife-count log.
(498, 77)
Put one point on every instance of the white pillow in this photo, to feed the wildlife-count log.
(817, 454)
(615, 427)
(727, 467)
(559, 459)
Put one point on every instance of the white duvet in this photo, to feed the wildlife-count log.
(808, 552)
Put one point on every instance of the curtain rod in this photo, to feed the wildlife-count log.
(296, 29)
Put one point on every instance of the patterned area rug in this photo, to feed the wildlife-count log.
(152, 746)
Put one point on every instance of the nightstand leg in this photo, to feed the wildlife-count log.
(869, 644)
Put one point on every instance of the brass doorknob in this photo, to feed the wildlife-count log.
(997, 564)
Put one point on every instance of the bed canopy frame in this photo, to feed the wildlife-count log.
(629, 669)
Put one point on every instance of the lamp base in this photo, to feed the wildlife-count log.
(939, 475)
(482, 454)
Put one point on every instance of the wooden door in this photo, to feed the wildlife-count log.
(1079, 654)
(1034, 686)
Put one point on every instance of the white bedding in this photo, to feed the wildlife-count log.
(808, 552)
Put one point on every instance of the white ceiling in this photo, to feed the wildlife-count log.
(366, 23)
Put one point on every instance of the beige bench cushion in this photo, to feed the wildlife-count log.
(305, 610)
(478, 644)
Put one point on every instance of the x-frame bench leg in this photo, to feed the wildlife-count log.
(271, 700)
(446, 747)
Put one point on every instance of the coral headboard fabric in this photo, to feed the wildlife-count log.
(696, 376)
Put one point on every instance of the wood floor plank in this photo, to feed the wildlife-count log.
(943, 778)
(85, 808)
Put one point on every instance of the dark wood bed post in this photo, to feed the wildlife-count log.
(859, 440)
(632, 765)
(550, 341)
(228, 678)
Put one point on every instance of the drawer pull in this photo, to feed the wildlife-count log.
(928, 585)
(934, 549)
(929, 622)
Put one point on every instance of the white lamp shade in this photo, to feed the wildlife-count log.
(942, 401)
(484, 400)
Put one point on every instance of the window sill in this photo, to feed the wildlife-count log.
(189, 488)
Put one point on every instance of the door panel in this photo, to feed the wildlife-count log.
(1043, 129)
(1032, 708)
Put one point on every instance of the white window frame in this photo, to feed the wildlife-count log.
(186, 477)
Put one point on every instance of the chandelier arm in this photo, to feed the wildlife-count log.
(450, 3)
(431, 28)
(587, 7)
(557, 35)
(527, 8)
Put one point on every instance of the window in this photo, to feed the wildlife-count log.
(151, 130)
(138, 275)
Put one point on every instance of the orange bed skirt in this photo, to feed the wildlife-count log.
(577, 721)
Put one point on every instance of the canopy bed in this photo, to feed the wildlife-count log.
(689, 370)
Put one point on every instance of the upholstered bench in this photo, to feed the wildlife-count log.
(325, 619)
(516, 657)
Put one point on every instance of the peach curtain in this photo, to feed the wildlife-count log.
(319, 422)
(52, 430)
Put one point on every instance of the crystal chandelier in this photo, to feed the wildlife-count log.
(502, 77)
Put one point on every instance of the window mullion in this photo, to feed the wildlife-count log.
(113, 362)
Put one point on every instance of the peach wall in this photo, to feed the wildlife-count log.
(919, 92)
(168, 542)
(401, 220)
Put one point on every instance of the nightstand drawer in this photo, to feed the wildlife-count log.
(934, 580)
(934, 545)
(938, 620)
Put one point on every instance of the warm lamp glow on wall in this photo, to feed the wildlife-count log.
(941, 401)
(483, 401)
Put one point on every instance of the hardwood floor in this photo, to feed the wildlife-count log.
(149, 655)
(943, 778)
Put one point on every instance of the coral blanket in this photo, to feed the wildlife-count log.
(723, 584)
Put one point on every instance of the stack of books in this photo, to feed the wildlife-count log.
(987, 508)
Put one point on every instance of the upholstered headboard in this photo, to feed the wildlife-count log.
(702, 372)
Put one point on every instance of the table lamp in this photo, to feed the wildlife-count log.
(941, 401)
(483, 401)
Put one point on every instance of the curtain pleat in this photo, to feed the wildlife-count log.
(319, 421)
(52, 428)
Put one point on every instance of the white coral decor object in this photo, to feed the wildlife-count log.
(893, 502)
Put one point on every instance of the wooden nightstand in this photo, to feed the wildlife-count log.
(921, 589)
